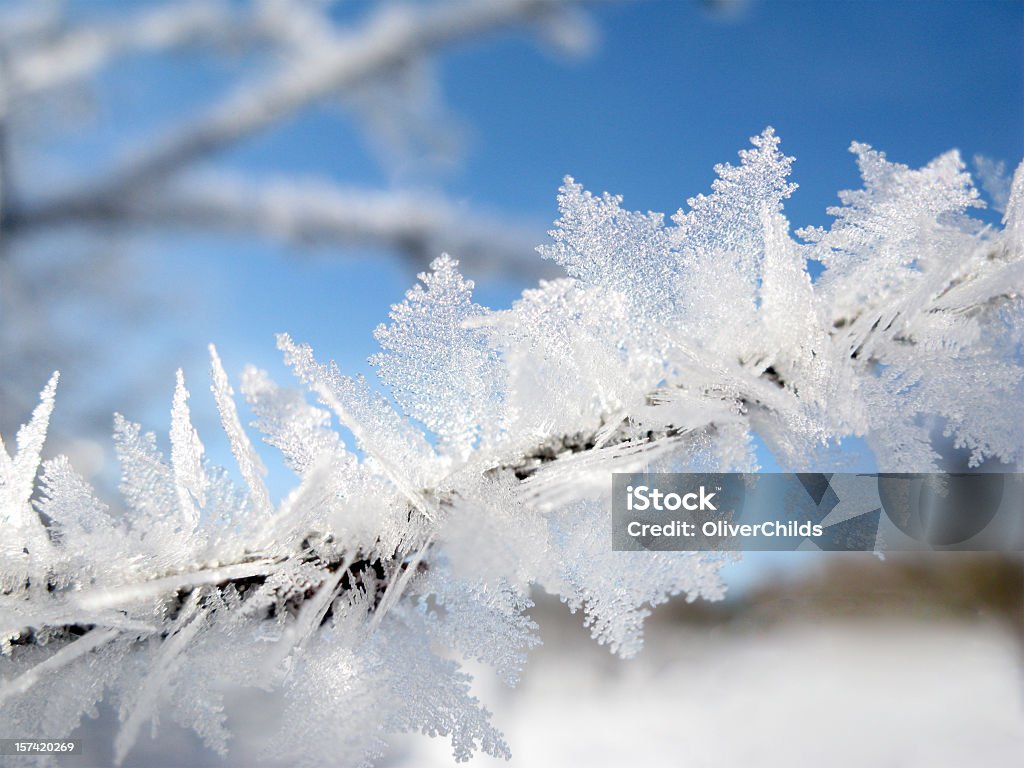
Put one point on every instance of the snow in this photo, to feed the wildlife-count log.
(882, 691)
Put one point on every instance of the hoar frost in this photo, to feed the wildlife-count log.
(669, 345)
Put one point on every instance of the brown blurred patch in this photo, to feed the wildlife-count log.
(935, 586)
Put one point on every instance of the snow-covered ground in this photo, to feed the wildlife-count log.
(835, 692)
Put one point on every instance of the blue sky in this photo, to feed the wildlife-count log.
(669, 91)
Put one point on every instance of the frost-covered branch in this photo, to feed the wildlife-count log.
(424, 522)
(78, 53)
(314, 59)
(311, 212)
(328, 65)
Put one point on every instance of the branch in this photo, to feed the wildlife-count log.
(538, 471)
(305, 212)
(389, 40)
(83, 51)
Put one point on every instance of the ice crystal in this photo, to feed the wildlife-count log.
(442, 371)
(413, 537)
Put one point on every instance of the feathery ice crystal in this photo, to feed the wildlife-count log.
(668, 345)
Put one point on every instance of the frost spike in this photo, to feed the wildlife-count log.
(22, 526)
(310, 616)
(186, 458)
(1013, 218)
(441, 369)
(399, 581)
(98, 599)
(300, 357)
(73, 650)
(19, 471)
(249, 463)
(188, 624)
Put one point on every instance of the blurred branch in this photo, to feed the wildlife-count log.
(80, 53)
(322, 62)
(332, 64)
(311, 212)
(27, 24)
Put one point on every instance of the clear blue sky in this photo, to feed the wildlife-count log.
(669, 91)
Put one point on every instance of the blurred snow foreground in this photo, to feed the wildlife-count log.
(670, 345)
